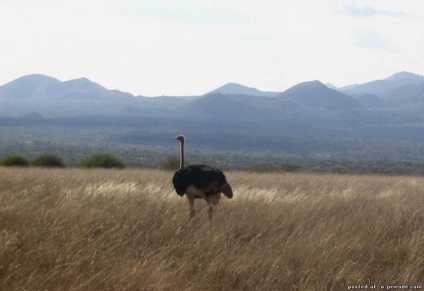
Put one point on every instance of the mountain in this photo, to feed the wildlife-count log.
(44, 87)
(242, 109)
(371, 101)
(218, 105)
(346, 88)
(408, 96)
(83, 88)
(48, 96)
(315, 95)
(406, 78)
(381, 86)
(301, 103)
(233, 88)
(331, 86)
(30, 86)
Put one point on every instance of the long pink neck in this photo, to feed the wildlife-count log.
(182, 154)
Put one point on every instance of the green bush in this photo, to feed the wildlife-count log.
(263, 167)
(173, 164)
(103, 161)
(15, 161)
(270, 167)
(291, 167)
(49, 161)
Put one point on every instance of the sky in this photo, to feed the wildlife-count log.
(191, 47)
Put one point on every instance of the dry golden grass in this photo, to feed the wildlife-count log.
(127, 230)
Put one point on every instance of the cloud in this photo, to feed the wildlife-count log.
(371, 40)
(354, 10)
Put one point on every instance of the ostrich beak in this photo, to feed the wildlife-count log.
(226, 189)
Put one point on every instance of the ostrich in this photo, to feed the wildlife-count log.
(200, 181)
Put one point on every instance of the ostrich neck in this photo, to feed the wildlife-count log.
(182, 154)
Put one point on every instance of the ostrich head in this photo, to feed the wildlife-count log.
(180, 138)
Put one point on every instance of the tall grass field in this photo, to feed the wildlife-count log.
(74, 229)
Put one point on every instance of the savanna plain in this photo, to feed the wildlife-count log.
(75, 229)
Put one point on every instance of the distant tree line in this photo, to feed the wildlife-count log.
(271, 167)
(54, 161)
(246, 163)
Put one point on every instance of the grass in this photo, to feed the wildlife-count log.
(74, 229)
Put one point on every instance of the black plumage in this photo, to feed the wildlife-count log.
(203, 177)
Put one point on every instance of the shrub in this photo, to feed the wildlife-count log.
(266, 167)
(15, 161)
(49, 161)
(103, 161)
(173, 164)
(263, 167)
(291, 167)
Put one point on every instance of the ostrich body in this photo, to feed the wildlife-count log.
(200, 181)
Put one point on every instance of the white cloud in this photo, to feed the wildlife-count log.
(372, 40)
(352, 9)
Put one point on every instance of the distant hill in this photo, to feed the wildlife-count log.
(233, 88)
(44, 87)
(405, 78)
(302, 102)
(331, 86)
(241, 109)
(409, 97)
(50, 97)
(218, 105)
(30, 86)
(315, 95)
(381, 86)
(370, 101)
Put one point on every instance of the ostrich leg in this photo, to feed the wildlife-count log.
(191, 201)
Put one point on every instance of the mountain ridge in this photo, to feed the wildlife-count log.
(395, 80)
(46, 95)
(381, 86)
(315, 94)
